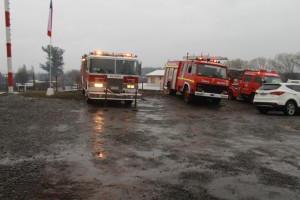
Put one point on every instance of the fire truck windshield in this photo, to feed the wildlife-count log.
(113, 66)
(212, 71)
(272, 79)
(105, 66)
(127, 67)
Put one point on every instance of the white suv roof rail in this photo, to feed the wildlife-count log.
(293, 81)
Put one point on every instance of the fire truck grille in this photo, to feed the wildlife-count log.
(115, 85)
(211, 88)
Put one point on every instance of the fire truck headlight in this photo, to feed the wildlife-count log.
(130, 86)
(99, 85)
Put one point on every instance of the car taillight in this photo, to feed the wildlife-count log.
(277, 93)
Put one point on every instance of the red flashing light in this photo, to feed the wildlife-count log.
(277, 93)
(262, 70)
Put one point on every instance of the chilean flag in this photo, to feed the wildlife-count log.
(50, 20)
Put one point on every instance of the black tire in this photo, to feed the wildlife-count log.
(88, 100)
(251, 98)
(169, 90)
(128, 103)
(216, 100)
(230, 95)
(290, 108)
(187, 97)
(263, 110)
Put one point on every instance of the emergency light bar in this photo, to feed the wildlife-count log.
(102, 53)
(215, 59)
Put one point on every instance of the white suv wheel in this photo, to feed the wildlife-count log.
(290, 108)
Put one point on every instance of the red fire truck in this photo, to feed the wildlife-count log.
(197, 77)
(244, 83)
(111, 76)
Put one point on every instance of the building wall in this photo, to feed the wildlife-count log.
(155, 80)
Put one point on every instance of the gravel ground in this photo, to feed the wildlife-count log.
(66, 149)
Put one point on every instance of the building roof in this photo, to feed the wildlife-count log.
(156, 73)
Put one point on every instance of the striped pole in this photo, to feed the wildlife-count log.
(8, 48)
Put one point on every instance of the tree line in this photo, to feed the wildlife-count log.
(287, 64)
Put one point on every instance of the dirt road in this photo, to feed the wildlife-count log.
(66, 149)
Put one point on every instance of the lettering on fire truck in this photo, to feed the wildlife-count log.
(244, 83)
(203, 77)
(114, 76)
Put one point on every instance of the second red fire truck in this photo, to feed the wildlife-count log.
(111, 76)
(197, 77)
(244, 83)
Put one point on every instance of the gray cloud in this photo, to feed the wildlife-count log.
(155, 30)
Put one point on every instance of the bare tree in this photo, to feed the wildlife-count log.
(236, 64)
(286, 64)
(258, 63)
(74, 75)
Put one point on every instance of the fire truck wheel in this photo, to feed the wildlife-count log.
(187, 97)
(230, 95)
(169, 90)
(88, 100)
(251, 98)
(126, 103)
(216, 100)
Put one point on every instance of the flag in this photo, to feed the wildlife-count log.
(50, 20)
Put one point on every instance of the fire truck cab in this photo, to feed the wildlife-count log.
(244, 83)
(197, 77)
(111, 76)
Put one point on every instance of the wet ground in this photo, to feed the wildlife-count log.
(66, 149)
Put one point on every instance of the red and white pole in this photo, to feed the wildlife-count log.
(8, 48)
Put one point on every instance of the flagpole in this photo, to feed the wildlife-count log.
(50, 61)
(49, 33)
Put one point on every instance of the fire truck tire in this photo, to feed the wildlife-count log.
(251, 98)
(230, 95)
(126, 103)
(169, 90)
(216, 100)
(88, 100)
(187, 97)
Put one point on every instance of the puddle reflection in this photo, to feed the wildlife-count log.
(99, 122)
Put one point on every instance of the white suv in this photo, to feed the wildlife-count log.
(282, 97)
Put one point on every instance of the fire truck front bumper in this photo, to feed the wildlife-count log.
(113, 96)
(211, 95)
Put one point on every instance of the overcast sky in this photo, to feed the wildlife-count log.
(155, 30)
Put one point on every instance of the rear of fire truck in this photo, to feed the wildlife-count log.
(110, 76)
(201, 77)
